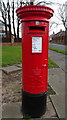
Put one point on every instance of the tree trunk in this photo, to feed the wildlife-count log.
(13, 20)
(18, 20)
(18, 28)
(31, 3)
(4, 16)
(9, 20)
(6, 30)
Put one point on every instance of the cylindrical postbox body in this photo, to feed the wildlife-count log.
(35, 30)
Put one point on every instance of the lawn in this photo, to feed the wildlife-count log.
(58, 50)
(12, 55)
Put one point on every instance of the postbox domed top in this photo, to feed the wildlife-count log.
(34, 12)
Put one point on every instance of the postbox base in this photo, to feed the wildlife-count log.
(33, 105)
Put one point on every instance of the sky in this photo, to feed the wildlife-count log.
(55, 7)
(54, 18)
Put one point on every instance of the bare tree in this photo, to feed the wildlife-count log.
(3, 10)
(63, 19)
(8, 14)
(9, 18)
(18, 20)
(13, 17)
(61, 13)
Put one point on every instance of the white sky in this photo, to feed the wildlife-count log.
(55, 8)
(54, 18)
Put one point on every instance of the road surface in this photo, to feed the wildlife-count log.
(58, 46)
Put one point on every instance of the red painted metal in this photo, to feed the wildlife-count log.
(35, 65)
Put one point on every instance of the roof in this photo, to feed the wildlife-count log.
(61, 33)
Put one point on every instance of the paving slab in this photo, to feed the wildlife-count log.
(0, 94)
(57, 80)
(46, 119)
(11, 69)
(1, 68)
(50, 113)
(12, 110)
(59, 104)
(48, 99)
(19, 65)
(0, 110)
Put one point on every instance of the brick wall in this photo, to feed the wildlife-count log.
(58, 39)
(11, 44)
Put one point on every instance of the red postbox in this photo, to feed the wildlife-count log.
(35, 31)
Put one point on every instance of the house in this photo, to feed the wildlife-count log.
(58, 37)
(51, 37)
(3, 35)
(1, 29)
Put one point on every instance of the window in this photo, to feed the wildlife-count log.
(2, 35)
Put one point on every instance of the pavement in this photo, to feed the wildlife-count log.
(58, 46)
(57, 82)
(55, 103)
(12, 69)
(0, 94)
(12, 110)
(59, 59)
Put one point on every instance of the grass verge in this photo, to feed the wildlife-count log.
(52, 64)
(59, 51)
(12, 55)
(50, 91)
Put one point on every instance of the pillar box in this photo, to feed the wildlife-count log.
(35, 33)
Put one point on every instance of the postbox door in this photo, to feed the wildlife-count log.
(35, 60)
